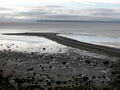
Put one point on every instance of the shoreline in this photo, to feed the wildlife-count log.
(100, 49)
(60, 71)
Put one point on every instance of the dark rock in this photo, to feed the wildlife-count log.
(32, 53)
(105, 62)
(50, 89)
(42, 67)
(30, 69)
(34, 73)
(88, 62)
(58, 82)
(51, 57)
(64, 82)
(67, 66)
(50, 66)
(49, 83)
(64, 63)
(48, 62)
(85, 78)
(93, 77)
(104, 77)
(102, 82)
(43, 48)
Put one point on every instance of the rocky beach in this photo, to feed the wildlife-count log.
(70, 68)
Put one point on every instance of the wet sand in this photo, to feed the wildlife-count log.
(57, 71)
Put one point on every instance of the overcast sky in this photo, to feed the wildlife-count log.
(12, 10)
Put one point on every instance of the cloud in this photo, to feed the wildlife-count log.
(54, 12)
(59, 9)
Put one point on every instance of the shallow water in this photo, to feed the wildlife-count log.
(99, 40)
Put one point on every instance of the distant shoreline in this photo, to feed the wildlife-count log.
(78, 21)
(110, 51)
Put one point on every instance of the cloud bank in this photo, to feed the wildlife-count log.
(13, 10)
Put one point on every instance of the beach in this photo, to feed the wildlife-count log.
(45, 71)
(49, 61)
(82, 62)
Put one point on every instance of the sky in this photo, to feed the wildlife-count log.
(32, 10)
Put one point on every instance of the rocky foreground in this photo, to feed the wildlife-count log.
(67, 69)
(58, 71)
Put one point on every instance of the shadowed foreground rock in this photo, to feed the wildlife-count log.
(5, 85)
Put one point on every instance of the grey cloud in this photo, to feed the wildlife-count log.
(107, 12)
(59, 12)
(54, 6)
